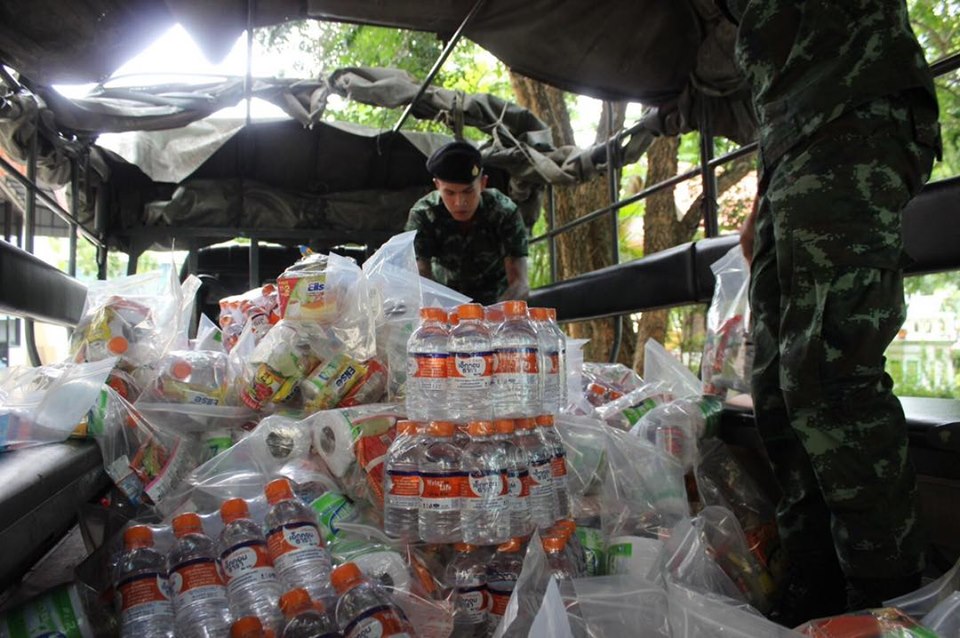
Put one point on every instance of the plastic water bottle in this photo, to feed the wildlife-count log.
(426, 390)
(305, 618)
(470, 366)
(484, 499)
(401, 485)
(502, 574)
(252, 585)
(543, 499)
(518, 479)
(466, 575)
(250, 627)
(516, 372)
(364, 609)
(295, 542)
(199, 595)
(552, 345)
(143, 593)
(558, 467)
(441, 477)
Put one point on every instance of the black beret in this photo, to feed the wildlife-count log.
(457, 162)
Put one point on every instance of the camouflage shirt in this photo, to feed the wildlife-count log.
(809, 61)
(469, 257)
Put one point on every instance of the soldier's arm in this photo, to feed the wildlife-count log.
(518, 284)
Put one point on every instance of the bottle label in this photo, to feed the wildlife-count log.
(440, 491)
(382, 621)
(518, 482)
(471, 370)
(145, 596)
(429, 369)
(500, 596)
(541, 478)
(246, 564)
(331, 509)
(485, 490)
(292, 543)
(195, 581)
(404, 490)
(551, 361)
(517, 362)
(471, 604)
(57, 613)
(558, 466)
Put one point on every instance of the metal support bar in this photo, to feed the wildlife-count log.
(437, 65)
(667, 183)
(74, 212)
(51, 203)
(248, 77)
(551, 222)
(29, 227)
(710, 224)
(613, 172)
(254, 263)
(946, 64)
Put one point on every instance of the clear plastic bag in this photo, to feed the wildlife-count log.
(47, 404)
(884, 622)
(924, 600)
(709, 553)
(135, 318)
(608, 604)
(728, 353)
(661, 367)
(145, 462)
(723, 481)
(945, 617)
(696, 614)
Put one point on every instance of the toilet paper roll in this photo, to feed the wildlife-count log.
(333, 438)
(385, 567)
(633, 555)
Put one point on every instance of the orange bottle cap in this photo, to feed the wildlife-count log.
(552, 314)
(345, 577)
(553, 544)
(406, 428)
(295, 601)
(545, 420)
(525, 424)
(181, 369)
(441, 428)
(138, 536)
(480, 428)
(463, 548)
(118, 345)
(505, 426)
(278, 490)
(511, 546)
(188, 523)
(247, 627)
(515, 308)
(433, 314)
(470, 311)
(538, 314)
(493, 315)
(234, 509)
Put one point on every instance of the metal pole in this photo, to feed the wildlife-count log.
(613, 167)
(254, 262)
(437, 65)
(248, 78)
(75, 212)
(30, 220)
(710, 225)
(551, 222)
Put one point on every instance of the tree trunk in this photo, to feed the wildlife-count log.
(587, 247)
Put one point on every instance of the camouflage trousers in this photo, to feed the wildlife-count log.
(826, 294)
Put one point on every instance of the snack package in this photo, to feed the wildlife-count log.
(887, 622)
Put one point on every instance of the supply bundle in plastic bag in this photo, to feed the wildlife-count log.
(875, 623)
(48, 404)
(257, 307)
(728, 352)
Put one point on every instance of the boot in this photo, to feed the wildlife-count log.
(870, 593)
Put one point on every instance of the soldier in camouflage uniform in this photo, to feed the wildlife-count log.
(848, 131)
(469, 237)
